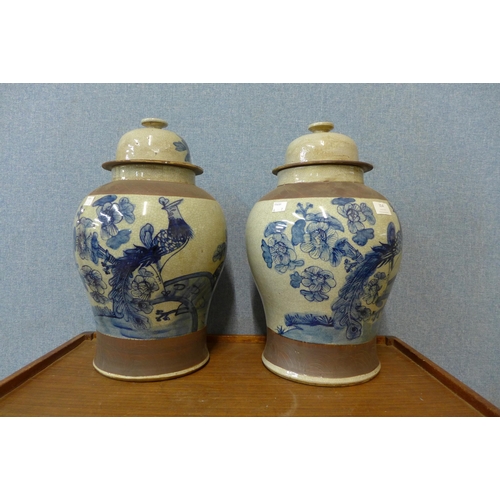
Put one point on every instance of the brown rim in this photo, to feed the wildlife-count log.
(320, 364)
(365, 166)
(153, 359)
(110, 164)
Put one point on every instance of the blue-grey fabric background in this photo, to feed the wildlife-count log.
(436, 152)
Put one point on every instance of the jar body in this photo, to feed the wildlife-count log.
(149, 253)
(324, 256)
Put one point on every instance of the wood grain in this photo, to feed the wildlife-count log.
(235, 383)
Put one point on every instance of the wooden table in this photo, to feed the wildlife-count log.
(235, 383)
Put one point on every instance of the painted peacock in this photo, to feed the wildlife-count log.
(123, 269)
(348, 312)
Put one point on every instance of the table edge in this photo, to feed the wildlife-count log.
(485, 407)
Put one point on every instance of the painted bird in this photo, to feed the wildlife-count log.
(167, 241)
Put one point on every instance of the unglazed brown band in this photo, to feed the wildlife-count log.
(321, 360)
(153, 188)
(322, 190)
(137, 359)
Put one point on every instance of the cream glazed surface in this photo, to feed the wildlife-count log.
(324, 250)
(324, 266)
(150, 247)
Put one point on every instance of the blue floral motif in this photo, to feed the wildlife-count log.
(317, 281)
(362, 283)
(316, 234)
(348, 311)
(121, 237)
(373, 287)
(93, 280)
(295, 280)
(141, 289)
(356, 215)
(109, 215)
(319, 240)
(135, 284)
(83, 239)
(220, 252)
(278, 249)
(319, 235)
(144, 285)
(109, 198)
(182, 146)
(127, 210)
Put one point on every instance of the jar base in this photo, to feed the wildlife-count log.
(138, 360)
(152, 378)
(320, 364)
(322, 381)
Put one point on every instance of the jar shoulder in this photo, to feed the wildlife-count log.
(323, 190)
(152, 188)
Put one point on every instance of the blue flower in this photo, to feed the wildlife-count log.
(144, 285)
(279, 250)
(93, 280)
(319, 239)
(295, 279)
(121, 238)
(142, 305)
(109, 216)
(83, 239)
(372, 288)
(356, 214)
(127, 210)
(318, 283)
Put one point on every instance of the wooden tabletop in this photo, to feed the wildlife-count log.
(235, 383)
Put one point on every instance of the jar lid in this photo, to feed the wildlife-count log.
(152, 145)
(322, 147)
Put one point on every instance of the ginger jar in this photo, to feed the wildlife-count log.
(324, 250)
(150, 247)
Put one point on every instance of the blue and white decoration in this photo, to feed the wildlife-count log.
(351, 272)
(126, 281)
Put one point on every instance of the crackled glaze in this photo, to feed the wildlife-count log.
(324, 250)
(149, 248)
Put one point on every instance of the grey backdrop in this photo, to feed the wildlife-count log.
(435, 149)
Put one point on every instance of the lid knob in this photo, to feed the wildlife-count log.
(154, 123)
(321, 127)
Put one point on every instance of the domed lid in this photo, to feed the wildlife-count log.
(322, 147)
(152, 145)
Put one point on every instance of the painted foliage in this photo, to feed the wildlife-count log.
(125, 281)
(342, 251)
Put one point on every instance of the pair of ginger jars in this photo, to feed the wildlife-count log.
(324, 250)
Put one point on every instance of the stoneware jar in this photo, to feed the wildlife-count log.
(324, 250)
(150, 247)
